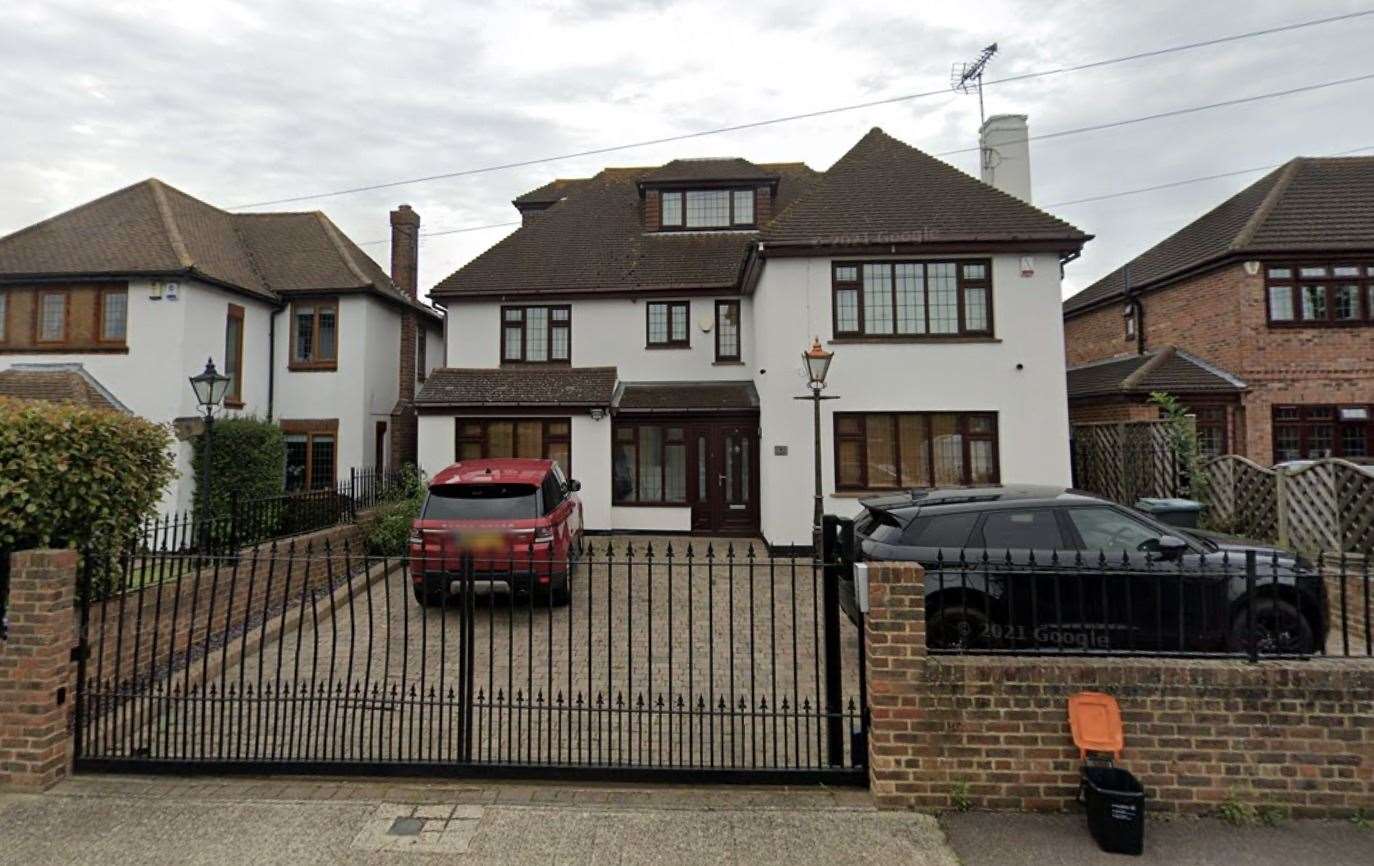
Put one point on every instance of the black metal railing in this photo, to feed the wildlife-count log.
(1243, 605)
(648, 661)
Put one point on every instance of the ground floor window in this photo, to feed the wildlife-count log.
(546, 438)
(648, 464)
(311, 454)
(1211, 430)
(1308, 432)
(876, 450)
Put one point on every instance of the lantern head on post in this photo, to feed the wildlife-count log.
(210, 387)
(817, 362)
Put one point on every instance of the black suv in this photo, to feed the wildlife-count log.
(1036, 567)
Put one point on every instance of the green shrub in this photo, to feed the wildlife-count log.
(247, 462)
(388, 526)
(69, 474)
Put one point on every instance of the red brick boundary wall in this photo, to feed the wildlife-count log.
(994, 730)
(35, 748)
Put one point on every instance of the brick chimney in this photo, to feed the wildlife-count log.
(405, 249)
(405, 265)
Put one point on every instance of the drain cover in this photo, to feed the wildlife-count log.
(406, 827)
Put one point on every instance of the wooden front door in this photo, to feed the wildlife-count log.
(726, 463)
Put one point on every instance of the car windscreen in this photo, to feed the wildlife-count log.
(481, 502)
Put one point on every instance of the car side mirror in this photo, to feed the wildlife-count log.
(1171, 547)
(574, 485)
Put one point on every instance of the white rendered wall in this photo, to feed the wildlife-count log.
(794, 298)
(609, 333)
(434, 348)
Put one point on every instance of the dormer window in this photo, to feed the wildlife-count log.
(706, 209)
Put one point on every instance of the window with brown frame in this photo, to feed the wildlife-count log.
(311, 453)
(314, 334)
(706, 209)
(113, 316)
(1319, 294)
(902, 450)
(912, 299)
(419, 352)
(666, 324)
(648, 464)
(1211, 430)
(546, 438)
(233, 354)
(50, 317)
(1308, 432)
(4, 317)
(727, 331)
(536, 335)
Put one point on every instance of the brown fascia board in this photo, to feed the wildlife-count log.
(839, 246)
(184, 273)
(437, 408)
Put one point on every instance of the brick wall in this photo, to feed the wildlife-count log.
(1298, 735)
(1220, 316)
(35, 749)
(1099, 413)
(192, 611)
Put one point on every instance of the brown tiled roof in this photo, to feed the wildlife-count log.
(686, 396)
(594, 241)
(886, 191)
(57, 383)
(1169, 369)
(535, 385)
(726, 169)
(554, 190)
(1310, 204)
(151, 228)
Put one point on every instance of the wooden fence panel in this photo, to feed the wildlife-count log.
(1125, 461)
(1326, 506)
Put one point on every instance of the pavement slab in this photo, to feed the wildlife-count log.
(999, 839)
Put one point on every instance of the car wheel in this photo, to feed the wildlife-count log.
(429, 599)
(957, 627)
(1280, 629)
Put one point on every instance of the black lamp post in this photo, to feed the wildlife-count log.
(817, 361)
(210, 388)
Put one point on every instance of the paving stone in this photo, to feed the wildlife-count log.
(441, 812)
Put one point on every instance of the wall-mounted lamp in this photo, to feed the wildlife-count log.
(598, 413)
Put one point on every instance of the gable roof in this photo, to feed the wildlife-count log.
(1169, 369)
(593, 240)
(1309, 204)
(151, 228)
(886, 191)
(590, 237)
(58, 383)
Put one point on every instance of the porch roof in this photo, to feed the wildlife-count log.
(536, 385)
(1169, 369)
(686, 397)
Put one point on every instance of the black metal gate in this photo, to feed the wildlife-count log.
(662, 661)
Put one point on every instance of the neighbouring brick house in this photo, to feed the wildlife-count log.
(1266, 306)
(125, 296)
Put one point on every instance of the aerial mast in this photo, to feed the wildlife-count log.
(965, 77)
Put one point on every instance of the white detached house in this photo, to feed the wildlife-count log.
(135, 290)
(645, 327)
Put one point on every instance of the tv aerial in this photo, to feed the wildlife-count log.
(967, 77)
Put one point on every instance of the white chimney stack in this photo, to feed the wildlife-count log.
(1005, 154)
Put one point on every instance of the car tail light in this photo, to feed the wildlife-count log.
(543, 534)
(416, 540)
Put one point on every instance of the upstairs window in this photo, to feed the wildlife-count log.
(233, 354)
(706, 209)
(899, 300)
(727, 331)
(666, 324)
(1318, 295)
(536, 335)
(314, 335)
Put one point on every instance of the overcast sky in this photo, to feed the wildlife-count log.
(238, 102)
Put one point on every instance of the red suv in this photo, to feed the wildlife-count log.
(512, 520)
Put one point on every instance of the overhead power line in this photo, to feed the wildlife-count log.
(1273, 94)
(1096, 64)
(441, 232)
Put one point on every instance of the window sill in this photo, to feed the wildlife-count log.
(615, 504)
(922, 338)
(1304, 325)
(312, 368)
(657, 347)
(536, 363)
(233, 404)
(727, 363)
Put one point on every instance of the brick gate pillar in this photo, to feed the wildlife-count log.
(895, 644)
(35, 665)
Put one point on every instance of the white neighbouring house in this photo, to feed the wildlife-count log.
(645, 326)
(135, 289)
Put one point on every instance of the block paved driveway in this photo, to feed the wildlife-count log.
(652, 663)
